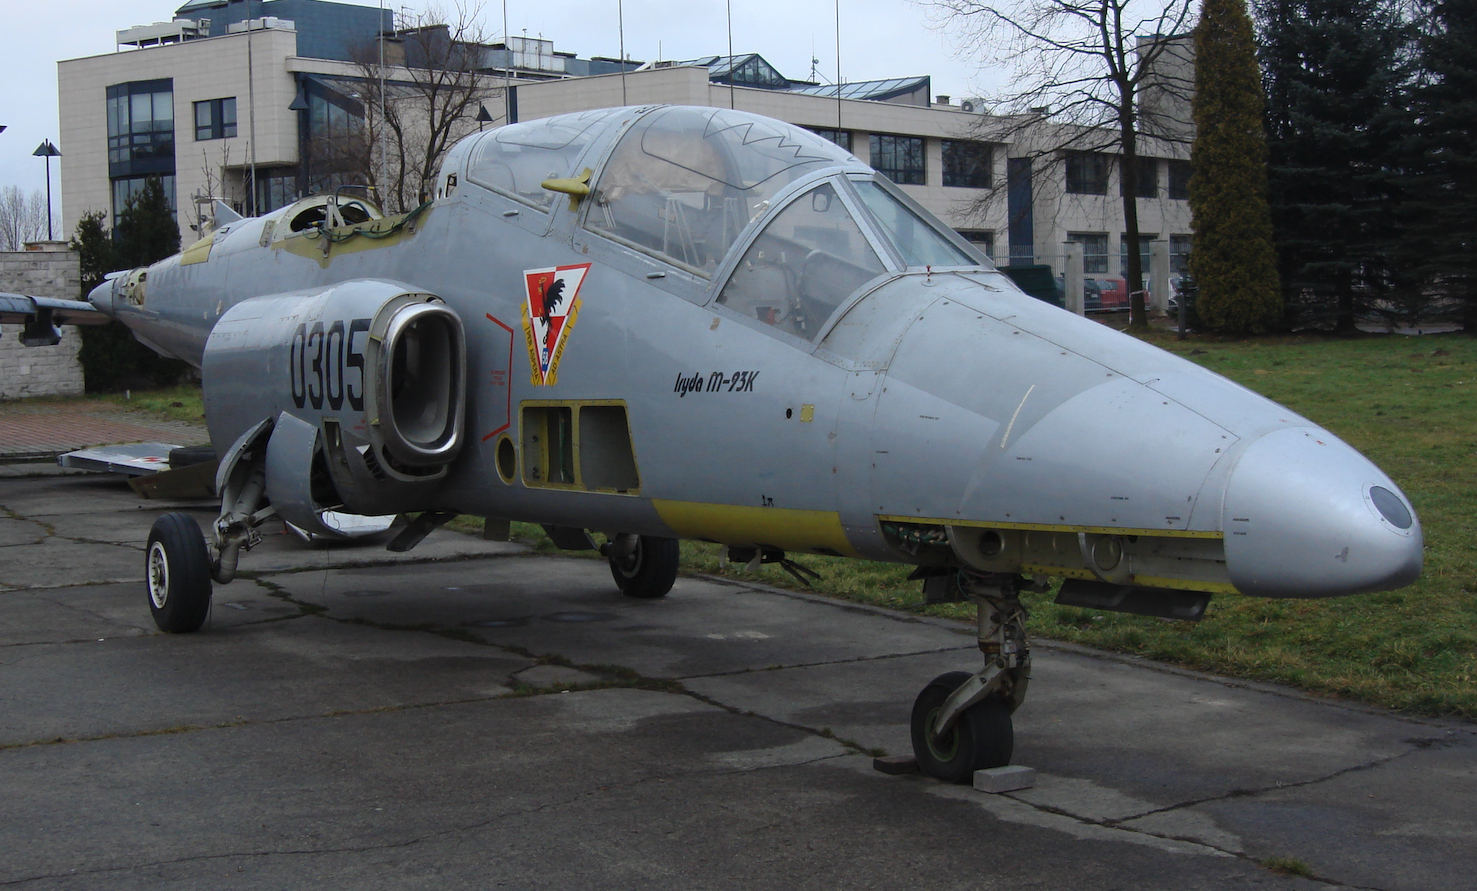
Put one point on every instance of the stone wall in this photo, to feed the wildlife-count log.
(40, 371)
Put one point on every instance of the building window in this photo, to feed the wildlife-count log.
(1145, 254)
(275, 187)
(968, 164)
(899, 158)
(1094, 250)
(334, 116)
(1179, 180)
(1179, 253)
(141, 128)
(126, 189)
(215, 119)
(1087, 174)
(839, 137)
(984, 240)
(1148, 184)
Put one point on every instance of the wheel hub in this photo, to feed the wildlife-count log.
(158, 575)
(945, 746)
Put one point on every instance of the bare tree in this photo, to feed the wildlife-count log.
(1108, 73)
(202, 216)
(22, 217)
(423, 98)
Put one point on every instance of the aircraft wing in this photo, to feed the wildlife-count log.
(41, 315)
(16, 308)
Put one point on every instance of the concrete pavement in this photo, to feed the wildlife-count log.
(353, 718)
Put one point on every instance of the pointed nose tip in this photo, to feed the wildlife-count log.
(1307, 516)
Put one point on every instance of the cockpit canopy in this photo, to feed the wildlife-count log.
(683, 184)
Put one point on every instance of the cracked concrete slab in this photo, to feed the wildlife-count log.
(705, 627)
(20, 532)
(1404, 824)
(352, 726)
(557, 676)
(266, 672)
(501, 793)
(86, 563)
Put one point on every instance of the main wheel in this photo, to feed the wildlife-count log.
(178, 572)
(649, 570)
(982, 735)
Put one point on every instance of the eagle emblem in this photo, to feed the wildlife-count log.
(550, 308)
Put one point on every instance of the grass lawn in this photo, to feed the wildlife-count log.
(1408, 403)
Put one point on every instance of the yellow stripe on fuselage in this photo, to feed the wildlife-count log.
(790, 530)
(1051, 527)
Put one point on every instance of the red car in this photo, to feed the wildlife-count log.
(1114, 291)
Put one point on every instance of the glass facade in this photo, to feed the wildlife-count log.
(1148, 184)
(215, 119)
(1087, 174)
(125, 189)
(968, 164)
(1179, 180)
(275, 187)
(899, 158)
(141, 126)
(840, 137)
(140, 139)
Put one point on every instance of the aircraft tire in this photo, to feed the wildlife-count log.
(177, 572)
(650, 570)
(982, 736)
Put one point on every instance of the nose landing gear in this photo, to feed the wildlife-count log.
(961, 722)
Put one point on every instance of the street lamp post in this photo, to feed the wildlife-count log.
(48, 151)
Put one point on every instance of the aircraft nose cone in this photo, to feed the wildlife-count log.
(1307, 516)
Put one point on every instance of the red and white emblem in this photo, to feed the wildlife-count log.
(550, 308)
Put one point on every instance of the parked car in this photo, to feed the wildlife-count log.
(1092, 295)
(1113, 293)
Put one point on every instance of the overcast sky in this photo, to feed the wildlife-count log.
(879, 39)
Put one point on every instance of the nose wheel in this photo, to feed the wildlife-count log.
(961, 722)
(981, 737)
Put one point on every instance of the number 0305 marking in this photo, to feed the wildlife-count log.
(321, 362)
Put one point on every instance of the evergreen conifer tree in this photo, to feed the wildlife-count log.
(146, 232)
(1335, 72)
(1440, 226)
(1233, 261)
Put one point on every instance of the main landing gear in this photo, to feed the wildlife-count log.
(178, 568)
(961, 722)
(642, 565)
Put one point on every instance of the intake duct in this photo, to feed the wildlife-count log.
(378, 367)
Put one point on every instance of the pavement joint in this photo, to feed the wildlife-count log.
(446, 832)
(1253, 793)
(822, 664)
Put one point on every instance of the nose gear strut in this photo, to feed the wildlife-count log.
(961, 723)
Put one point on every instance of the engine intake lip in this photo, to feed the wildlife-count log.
(421, 383)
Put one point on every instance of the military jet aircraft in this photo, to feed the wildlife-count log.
(660, 323)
